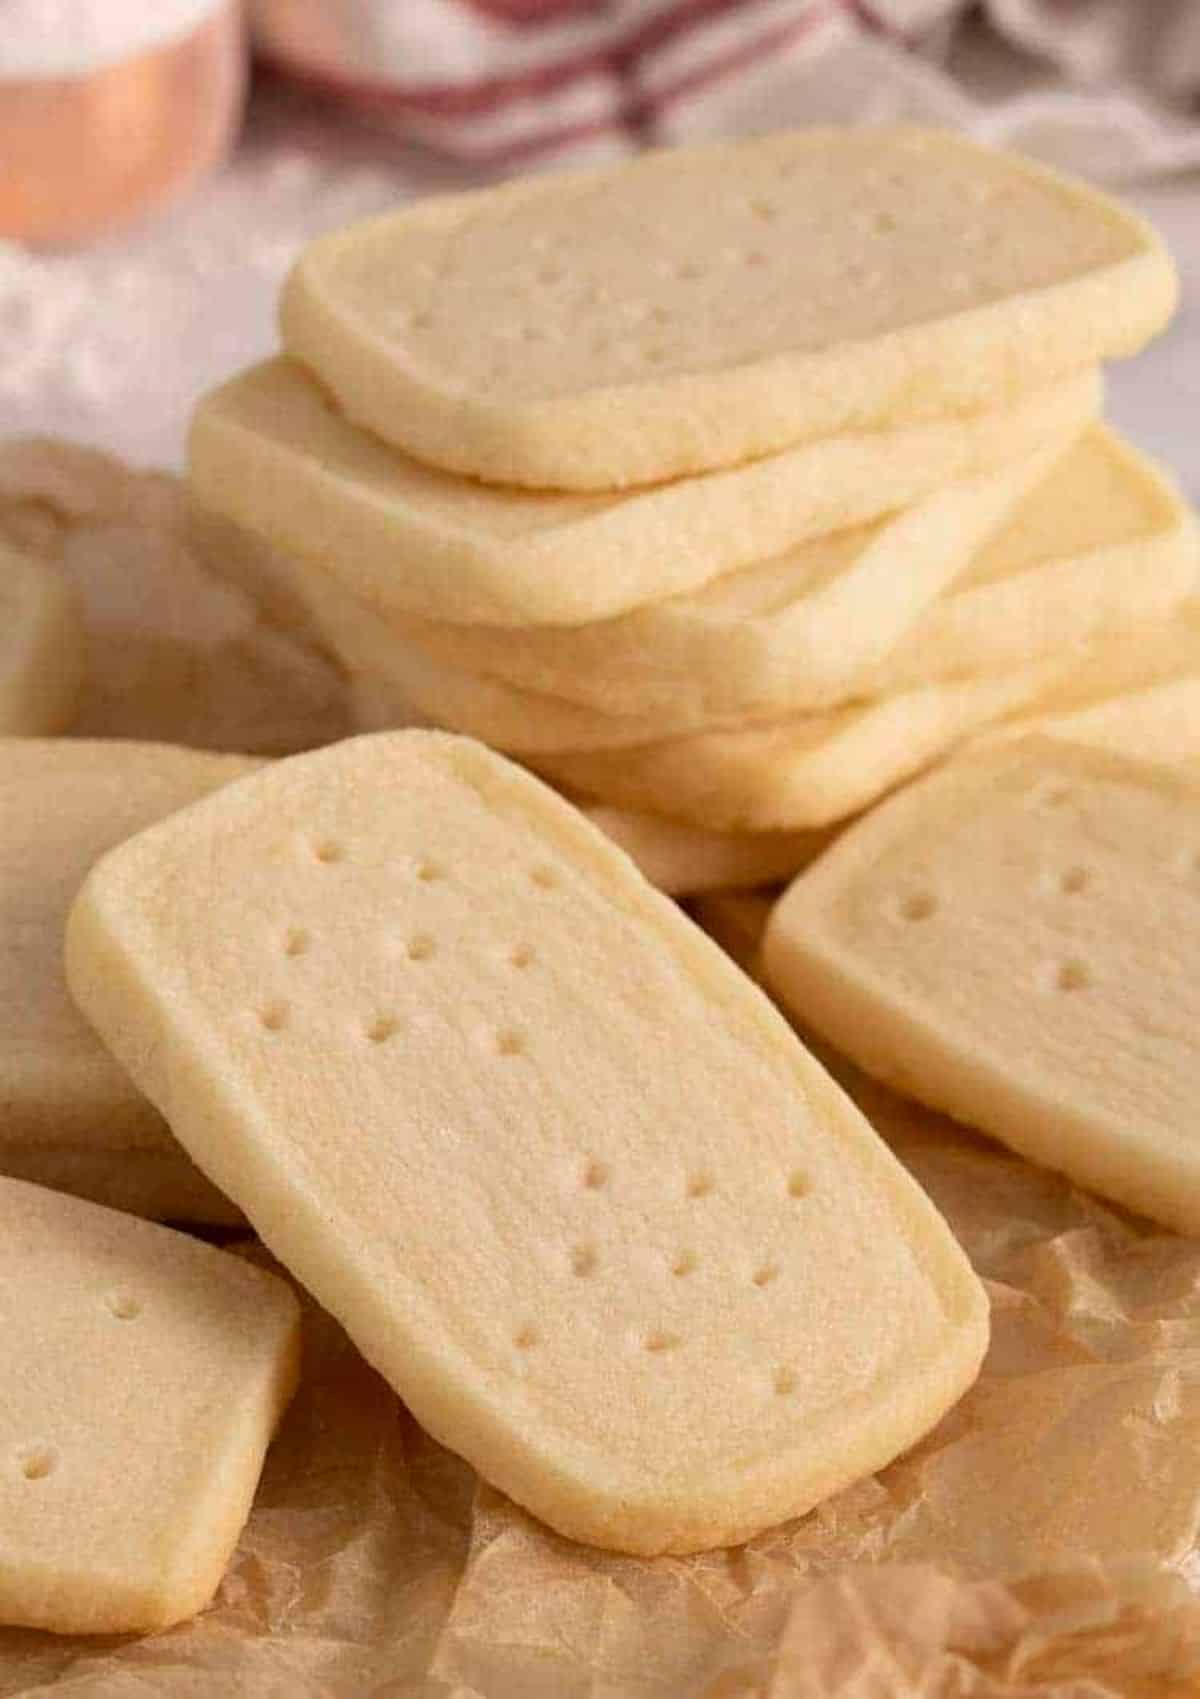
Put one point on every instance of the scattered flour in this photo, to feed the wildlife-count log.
(66, 38)
(111, 344)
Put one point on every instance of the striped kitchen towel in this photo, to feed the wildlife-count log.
(1104, 86)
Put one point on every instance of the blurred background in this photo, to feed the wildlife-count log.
(161, 161)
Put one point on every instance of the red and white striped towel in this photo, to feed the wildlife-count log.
(495, 84)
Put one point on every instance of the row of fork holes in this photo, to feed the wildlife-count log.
(596, 1176)
(38, 1462)
(1069, 882)
(658, 1342)
(506, 1042)
(550, 273)
(420, 948)
(1070, 975)
(329, 852)
(585, 1261)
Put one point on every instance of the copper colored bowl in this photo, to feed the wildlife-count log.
(84, 153)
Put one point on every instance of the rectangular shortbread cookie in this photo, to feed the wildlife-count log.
(41, 647)
(977, 577)
(801, 773)
(815, 769)
(142, 1375)
(393, 683)
(430, 1027)
(683, 860)
(1158, 722)
(1105, 542)
(815, 654)
(1016, 940)
(701, 308)
(269, 451)
(675, 857)
(71, 1114)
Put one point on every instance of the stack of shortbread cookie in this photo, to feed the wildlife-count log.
(727, 489)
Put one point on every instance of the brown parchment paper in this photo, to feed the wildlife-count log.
(1039, 1544)
(176, 652)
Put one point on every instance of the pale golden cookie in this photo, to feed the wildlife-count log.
(142, 1375)
(1016, 940)
(270, 451)
(805, 772)
(682, 860)
(708, 306)
(1106, 542)
(815, 769)
(72, 1116)
(427, 1025)
(977, 577)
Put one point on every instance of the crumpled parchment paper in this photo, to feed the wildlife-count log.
(176, 653)
(1039, 1544)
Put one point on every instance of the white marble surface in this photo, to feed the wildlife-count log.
(1156, 397)
(113, 344)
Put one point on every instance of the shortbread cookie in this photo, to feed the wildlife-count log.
(1099, 538)
(173, 653)
(682, 860)
(142, 1375)
(426, 1023)
(393, 683)
(1159, 722)
(676, 858)
(1105, 542)
(269, 451)
(1015, 940)
(805, 772)
(1137, 696)
(855, 621)
(72, 1116)
(815, 769)
(41, 647)
(701, 308)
